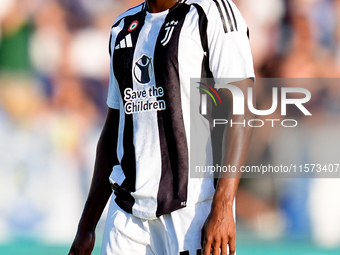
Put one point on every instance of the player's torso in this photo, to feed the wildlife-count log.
(154, 55)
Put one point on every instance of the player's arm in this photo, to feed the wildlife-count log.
(219, 228)
(100, 190)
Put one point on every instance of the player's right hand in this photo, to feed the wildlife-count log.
(83, 243)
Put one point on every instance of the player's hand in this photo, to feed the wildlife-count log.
(83, 243)
(218, 231)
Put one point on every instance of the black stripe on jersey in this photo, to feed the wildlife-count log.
(122, 66)
(203, 26)
(228, 16)
(232, 12)
(205, 72)
(221, 16)
(227, 13)
(118, 22)
(172, 192)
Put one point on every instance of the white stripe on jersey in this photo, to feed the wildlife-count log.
(128, 40)
(190, 64)
(146, 128)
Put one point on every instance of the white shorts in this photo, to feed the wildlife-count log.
(171, 234)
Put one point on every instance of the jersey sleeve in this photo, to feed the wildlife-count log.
(228, 42)
(114, 97)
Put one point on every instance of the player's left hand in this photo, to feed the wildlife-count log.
(219, 231)
(83, 243)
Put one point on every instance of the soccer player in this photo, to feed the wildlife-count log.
(143, 151)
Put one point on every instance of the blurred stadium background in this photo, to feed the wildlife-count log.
(54, 71)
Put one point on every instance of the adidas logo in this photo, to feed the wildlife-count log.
(125, 43)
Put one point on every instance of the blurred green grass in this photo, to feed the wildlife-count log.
(282, 247)
(36, 248)
(244, 247)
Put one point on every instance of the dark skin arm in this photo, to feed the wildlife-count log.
(219, 229)
(100, 190)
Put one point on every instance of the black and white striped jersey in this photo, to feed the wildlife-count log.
(153, 57)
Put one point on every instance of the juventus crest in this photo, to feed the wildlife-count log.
(169, 28)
